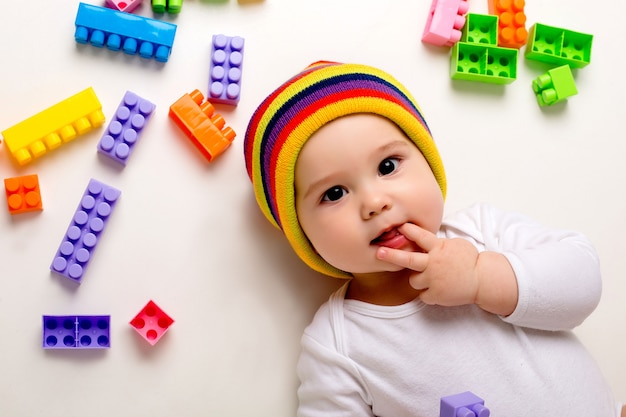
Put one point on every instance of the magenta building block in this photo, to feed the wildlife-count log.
(465, 404)
(225, 70)
(151, 322)
(85, 230)
(76, 332)
(126, 127)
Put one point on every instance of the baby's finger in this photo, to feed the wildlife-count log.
(415, 261)
(422, 237)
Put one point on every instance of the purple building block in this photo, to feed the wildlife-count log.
(465, 404)
(84, 230)
(124, 130)
(225, 71)
(78, 332)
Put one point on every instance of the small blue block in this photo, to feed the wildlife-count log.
(225, 70)
(84, 231)
(125, 128)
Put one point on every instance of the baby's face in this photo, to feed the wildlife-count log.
(357, 179)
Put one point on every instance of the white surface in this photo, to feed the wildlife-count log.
(188, 235)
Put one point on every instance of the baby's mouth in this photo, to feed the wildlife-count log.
(386, 237)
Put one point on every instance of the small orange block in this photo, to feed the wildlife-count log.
(512, 31)
(201, 124)
(23, 194)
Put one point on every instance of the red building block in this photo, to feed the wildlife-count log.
(512, 31)
(23, 194)
(202, 125)
(151, 322)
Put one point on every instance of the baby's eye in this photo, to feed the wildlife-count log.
(388, 165)
(334, 193)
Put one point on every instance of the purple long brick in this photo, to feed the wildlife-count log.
(225, 69)
(77, 332)
(85, 229)
(125, 128)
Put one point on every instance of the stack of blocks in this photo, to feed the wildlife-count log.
(476, 57)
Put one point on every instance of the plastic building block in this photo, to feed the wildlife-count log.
(151, 322)
(123, 5)
(130, 33)
(512, 31)
(465, 404)
(480, 28)
(554, 86)
(490, 64)
(50, 128)
(225, 71)
(76, 332)
(23, 194)
(444, 22)
(84, 231)
(202, 125)
(125, 128)
(170, 6)
(558, 46)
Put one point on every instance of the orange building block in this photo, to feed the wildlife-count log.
(23, 194)
(512, 31)
(202, 125)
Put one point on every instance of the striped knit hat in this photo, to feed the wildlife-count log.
(286, 119)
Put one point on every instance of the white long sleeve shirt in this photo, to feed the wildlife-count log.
(360, 359)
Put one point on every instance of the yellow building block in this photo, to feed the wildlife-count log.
(49, 129)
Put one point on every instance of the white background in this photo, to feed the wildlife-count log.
(188, 235)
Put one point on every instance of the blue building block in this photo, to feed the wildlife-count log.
(465, 404)
(130, 33)
(225, 70)
(76, 332)
(124, 130)
(84, 231)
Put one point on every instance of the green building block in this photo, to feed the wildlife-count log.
(554, 86)
(478, 62)
(480, 28)
(557, 46)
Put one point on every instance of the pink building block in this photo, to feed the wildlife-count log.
(445, 21)
(123, 5)
(151, 322)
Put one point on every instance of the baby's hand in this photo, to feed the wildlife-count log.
(445, 272)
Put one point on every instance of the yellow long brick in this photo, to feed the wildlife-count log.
(50, 128)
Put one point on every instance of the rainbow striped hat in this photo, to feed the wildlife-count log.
(286, 119)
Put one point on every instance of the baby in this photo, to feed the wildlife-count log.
(343, 162)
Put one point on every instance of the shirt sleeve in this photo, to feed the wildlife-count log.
(330, 383)
(557, 271)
